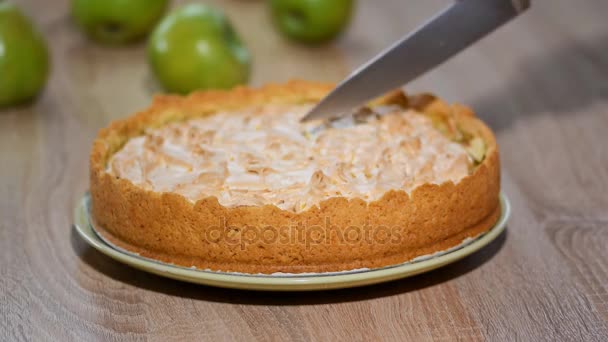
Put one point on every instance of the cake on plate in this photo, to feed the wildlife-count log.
(233, 181)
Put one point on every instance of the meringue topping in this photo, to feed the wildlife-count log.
(264, 155)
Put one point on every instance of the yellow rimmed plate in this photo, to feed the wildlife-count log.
(286, 282)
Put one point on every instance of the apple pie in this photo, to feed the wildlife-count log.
(233, 181)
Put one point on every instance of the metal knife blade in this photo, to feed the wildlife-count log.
(449, 32)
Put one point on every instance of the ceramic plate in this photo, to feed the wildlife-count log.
(286, 282)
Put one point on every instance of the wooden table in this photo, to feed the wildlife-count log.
(541, 83)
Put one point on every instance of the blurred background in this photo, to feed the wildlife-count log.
(111, 81)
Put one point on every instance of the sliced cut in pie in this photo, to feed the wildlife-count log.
(232, 181)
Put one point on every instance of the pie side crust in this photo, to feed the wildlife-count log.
(339, 234)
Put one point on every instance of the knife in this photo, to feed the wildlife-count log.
(449, 32)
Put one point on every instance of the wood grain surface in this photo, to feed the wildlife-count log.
(541, 83)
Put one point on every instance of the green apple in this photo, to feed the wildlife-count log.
(24, 61)
(311, 21)
(195, 47)
(117, 21)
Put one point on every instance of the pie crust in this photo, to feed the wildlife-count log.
(339, 234)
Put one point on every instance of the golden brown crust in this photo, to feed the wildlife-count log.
(340, 234)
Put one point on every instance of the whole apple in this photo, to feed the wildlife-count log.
(24, 61)
(195, 47)
(117, 21)
(311, 21)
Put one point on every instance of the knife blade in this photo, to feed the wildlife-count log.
(448, 33)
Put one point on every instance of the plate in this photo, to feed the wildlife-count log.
(286, 282)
